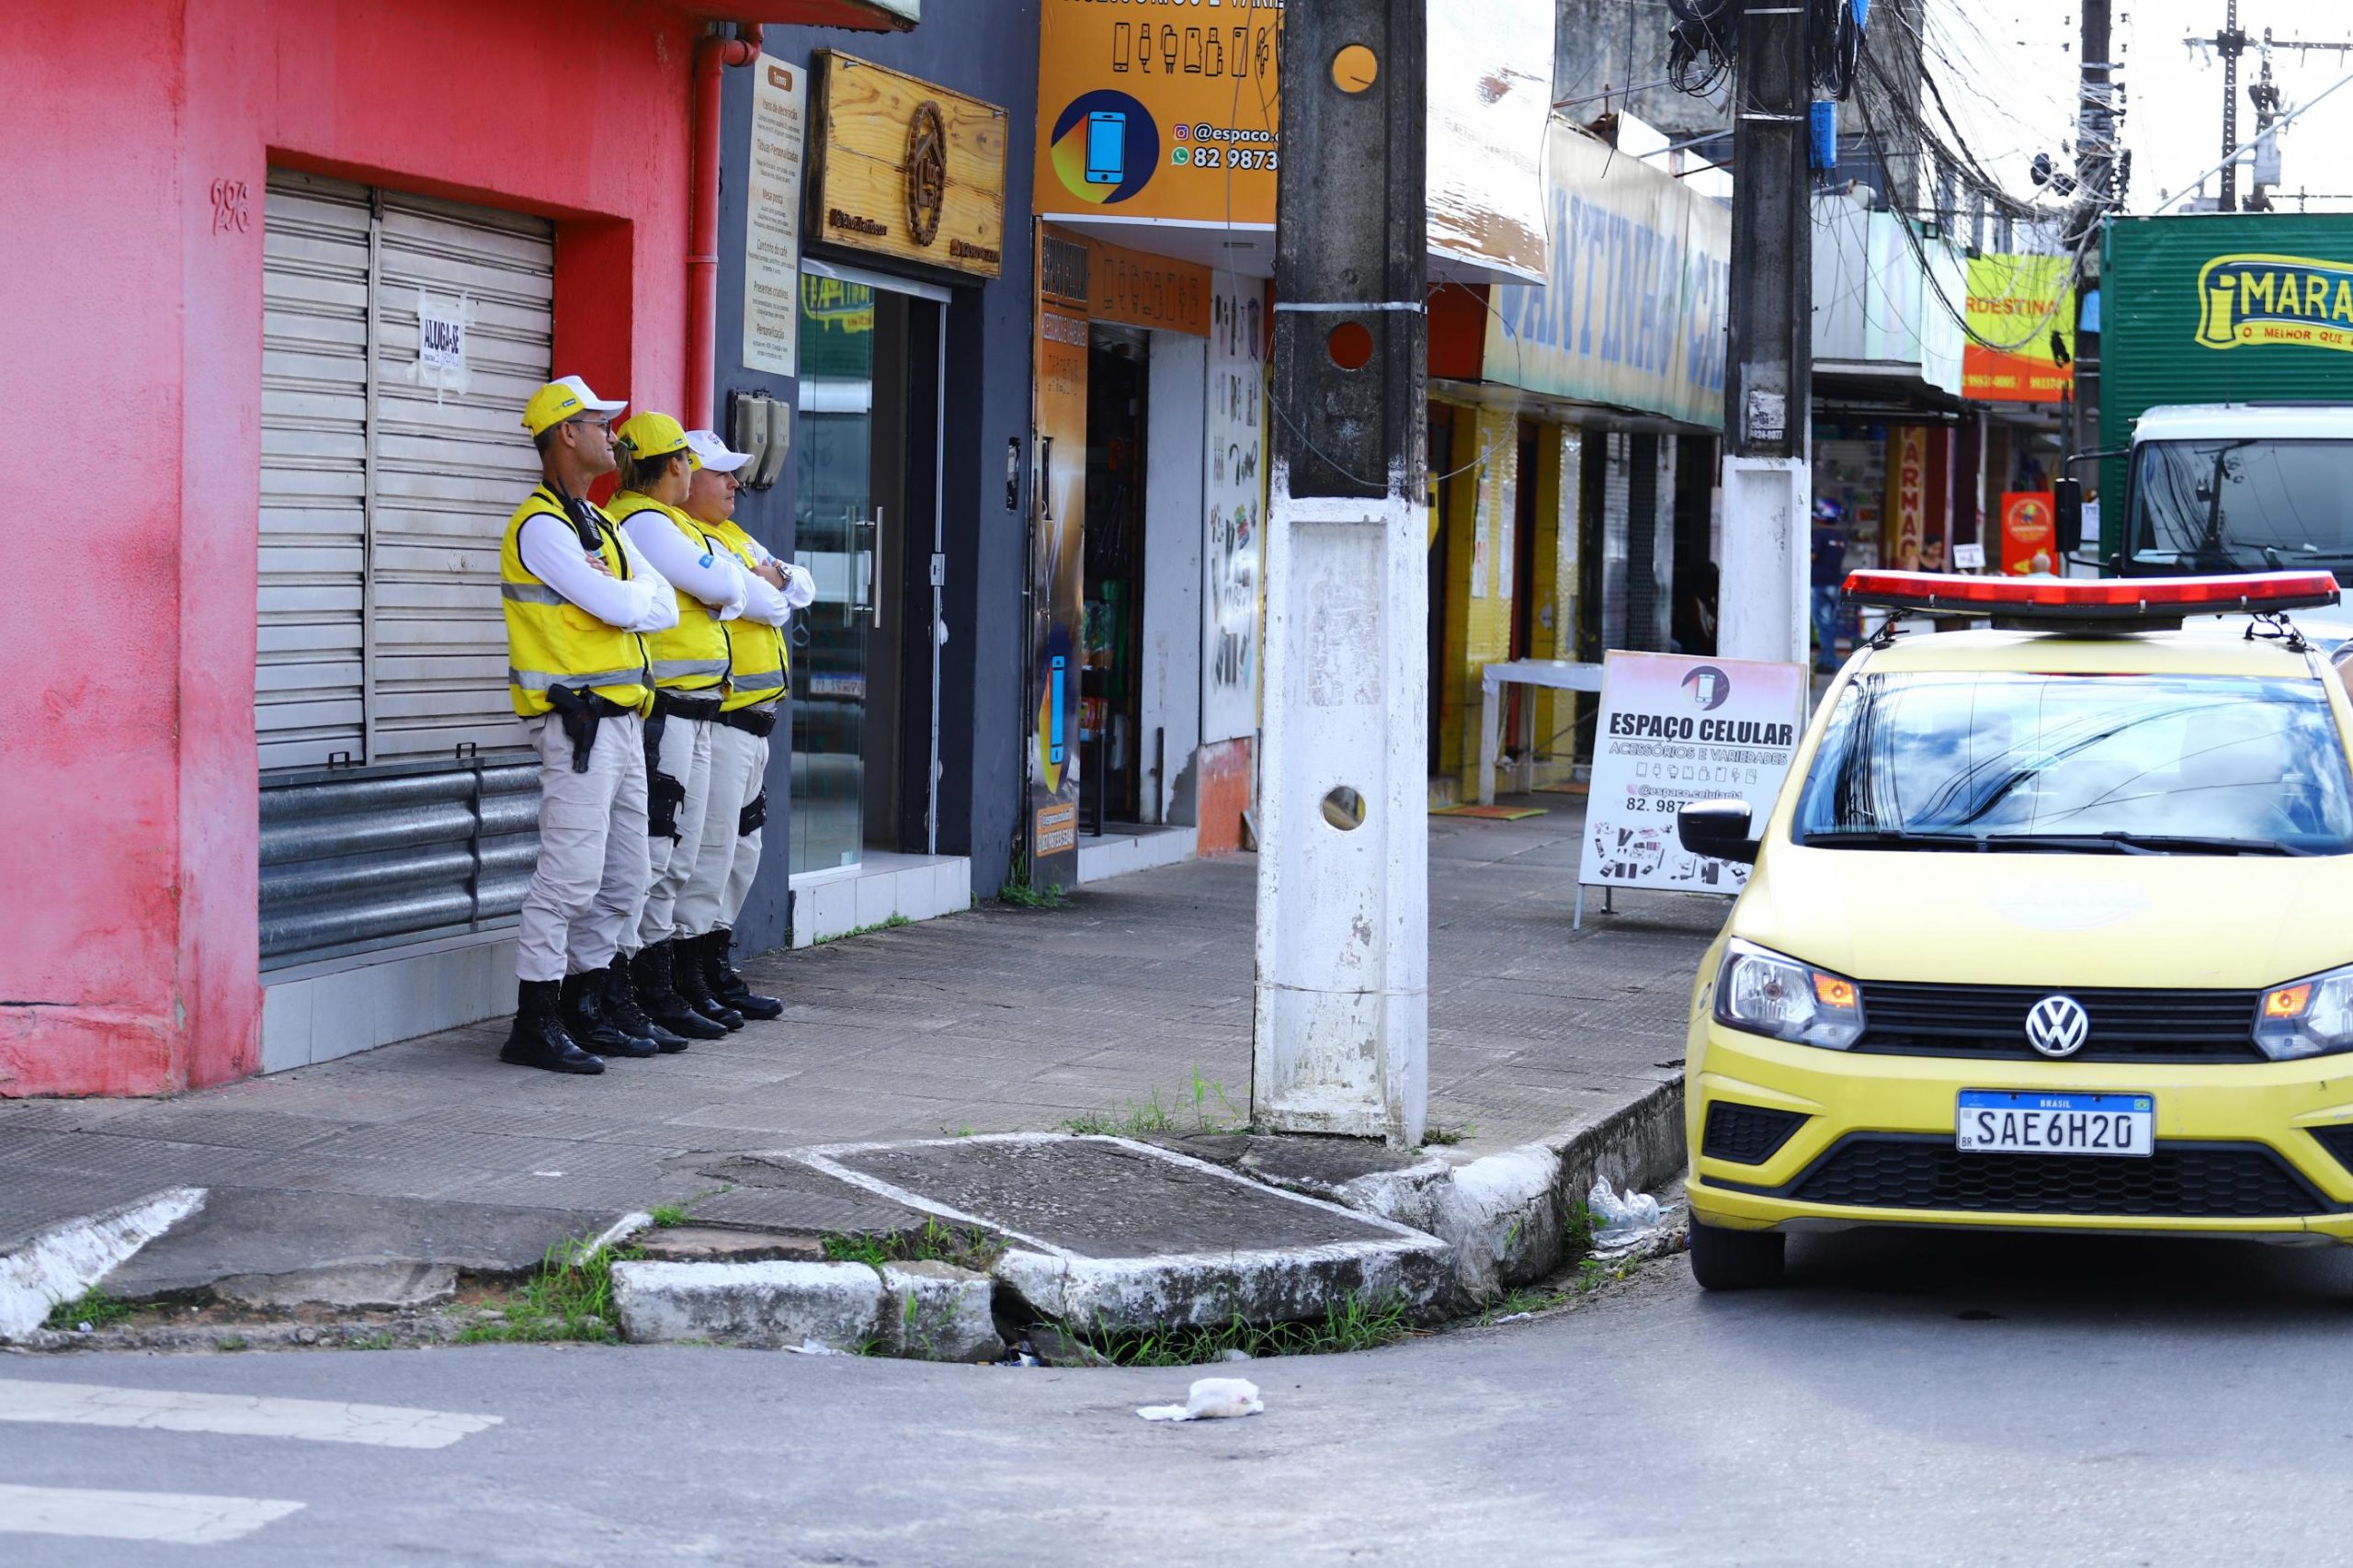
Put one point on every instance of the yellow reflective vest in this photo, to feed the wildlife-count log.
(551, 641)
(762, 666)
(692, 655)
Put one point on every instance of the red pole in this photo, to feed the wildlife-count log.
(713, 56)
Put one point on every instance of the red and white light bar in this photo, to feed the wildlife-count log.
(2089, 598)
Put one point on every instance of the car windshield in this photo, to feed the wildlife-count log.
(2115, 764)
(2217, 505)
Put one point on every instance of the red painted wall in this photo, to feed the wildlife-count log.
(128, 929)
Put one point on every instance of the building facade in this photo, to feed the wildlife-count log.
(303, 265)
(878, 294)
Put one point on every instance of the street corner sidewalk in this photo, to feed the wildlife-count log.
(1554, 1056)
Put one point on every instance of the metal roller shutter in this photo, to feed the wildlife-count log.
(381, 682)
(450, 466)
(307, 701)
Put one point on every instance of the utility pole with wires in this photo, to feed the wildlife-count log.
(2231, 42)
(1340, 1039)
(1767, 476)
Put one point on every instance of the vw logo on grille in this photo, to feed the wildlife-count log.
(2057, 1026)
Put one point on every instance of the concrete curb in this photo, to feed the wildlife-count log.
(61, 1263)
(1504, 1216)
(925, 1311)
(1186, 1290)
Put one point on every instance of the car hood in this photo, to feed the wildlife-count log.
(2225, 922)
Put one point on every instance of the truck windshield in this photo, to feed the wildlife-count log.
(2217, 506)
(2094, 763)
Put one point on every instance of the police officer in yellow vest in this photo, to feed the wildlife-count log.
(730, 854)
(578, 599)
(691, 663)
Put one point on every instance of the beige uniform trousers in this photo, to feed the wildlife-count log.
(683, 754)
(724, 869)
(592, 871)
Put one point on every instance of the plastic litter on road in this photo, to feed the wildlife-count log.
(1212, 1399)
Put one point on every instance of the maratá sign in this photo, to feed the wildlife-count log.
(2275, 299)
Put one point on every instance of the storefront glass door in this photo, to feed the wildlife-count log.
(834, 526)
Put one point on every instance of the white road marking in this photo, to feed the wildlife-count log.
(237, 1415)
(177, 1517)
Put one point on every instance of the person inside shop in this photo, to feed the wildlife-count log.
(759, 674)
(1829, 576)
(1694, 617)
(691, 663)
(579, 599)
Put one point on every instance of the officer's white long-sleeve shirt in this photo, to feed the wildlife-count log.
(693, 568)
(551, 552)
(774, 606)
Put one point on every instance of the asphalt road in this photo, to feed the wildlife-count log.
(1966, 1400)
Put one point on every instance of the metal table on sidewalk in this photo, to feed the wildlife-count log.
(1559, 674)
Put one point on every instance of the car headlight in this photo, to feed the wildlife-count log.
(1765, 994)
(2307, 1018)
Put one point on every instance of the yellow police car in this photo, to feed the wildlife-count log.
(2028, 941)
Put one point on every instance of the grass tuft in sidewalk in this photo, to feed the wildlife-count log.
(1356, 1322)
(97, 1308)
(1212, 1112)
(571, 1298)
(937, 1243)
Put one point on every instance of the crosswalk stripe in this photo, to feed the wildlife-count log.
(174, 1517)
(238, 1415)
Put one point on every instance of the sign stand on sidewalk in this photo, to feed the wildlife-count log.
(1674, 730)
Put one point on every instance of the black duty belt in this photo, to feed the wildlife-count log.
(758, 722)
(581, 711)
(685, 705)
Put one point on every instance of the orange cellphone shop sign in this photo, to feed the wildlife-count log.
(1158, 111)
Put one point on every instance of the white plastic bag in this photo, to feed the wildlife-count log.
(1614, 1215)
(1212, 1399)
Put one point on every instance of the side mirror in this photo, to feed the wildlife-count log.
(2067, 503)
(1717, 829)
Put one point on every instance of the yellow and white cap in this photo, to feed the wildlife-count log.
(651, 435)
(566, 397)
(712, 453)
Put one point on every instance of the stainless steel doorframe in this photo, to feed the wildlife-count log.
(938, 556)
(845, 273)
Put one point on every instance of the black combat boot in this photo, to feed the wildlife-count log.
(659, 995)
(623, 1012)
(583, 1017)
(686, 974)
(718, 973)
(540, 1039)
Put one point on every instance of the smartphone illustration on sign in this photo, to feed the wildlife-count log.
(1106, 148)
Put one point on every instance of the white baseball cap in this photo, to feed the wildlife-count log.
(712, 453)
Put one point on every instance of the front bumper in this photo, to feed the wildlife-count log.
(2237, 1152)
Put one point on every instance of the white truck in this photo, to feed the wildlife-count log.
(2218, 488)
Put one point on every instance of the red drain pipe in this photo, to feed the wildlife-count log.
(713, 56)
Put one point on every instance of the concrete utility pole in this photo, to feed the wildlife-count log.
(1342, 1030)
(1769, 386)
(2094, 122)
(2230, 43)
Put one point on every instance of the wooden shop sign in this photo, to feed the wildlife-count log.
(906, 168)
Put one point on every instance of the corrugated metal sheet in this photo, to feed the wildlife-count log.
(350, 863)
(2151, 310)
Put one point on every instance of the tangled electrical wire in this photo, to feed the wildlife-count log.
(1705, 42)
(1701, 45)
(1833, 40)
